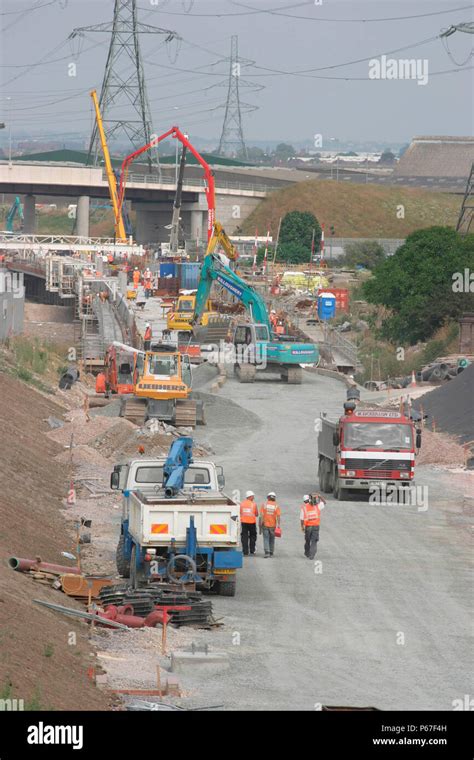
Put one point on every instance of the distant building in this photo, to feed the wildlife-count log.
(438, 157)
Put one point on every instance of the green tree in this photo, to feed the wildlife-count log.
(418, 284)
(387, 157)
(284, 151)
(296, 233)
(365, 253)
(293, 253)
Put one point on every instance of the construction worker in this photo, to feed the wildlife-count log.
(147, 337)
(248, 519)
(273, 319)
(136, 278)
(310, 515)
(268, 521)
(148, 288)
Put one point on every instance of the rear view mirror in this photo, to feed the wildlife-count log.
(220, 477)
(335, 438)
(418, 439)
(115, 480)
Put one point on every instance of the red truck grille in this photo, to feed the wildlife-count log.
(385, 465)
(377, 474)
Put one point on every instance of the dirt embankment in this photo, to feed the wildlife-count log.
(44, 656)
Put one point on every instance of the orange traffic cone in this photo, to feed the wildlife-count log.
(413, 380)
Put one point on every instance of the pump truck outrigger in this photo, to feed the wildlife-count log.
(177, 524)
(366, 449)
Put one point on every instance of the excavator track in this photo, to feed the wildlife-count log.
(134, 410)
(185, 414)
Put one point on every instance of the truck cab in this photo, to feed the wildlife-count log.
(147, 475)
(367, 448)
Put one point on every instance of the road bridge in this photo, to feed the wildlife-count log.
(151, 197)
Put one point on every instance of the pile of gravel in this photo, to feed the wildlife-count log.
(451, 406)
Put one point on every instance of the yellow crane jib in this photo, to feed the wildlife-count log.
(120, 233)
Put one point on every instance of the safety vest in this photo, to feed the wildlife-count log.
(312, 514)
(248, 511)
(136, 276)
(269, 513)
(147, 335)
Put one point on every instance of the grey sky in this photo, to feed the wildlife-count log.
(290, 107)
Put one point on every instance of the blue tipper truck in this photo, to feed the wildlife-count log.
(178, 526)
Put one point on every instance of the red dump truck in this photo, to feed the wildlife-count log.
(366, 448)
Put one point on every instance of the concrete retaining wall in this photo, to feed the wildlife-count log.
(11, 314)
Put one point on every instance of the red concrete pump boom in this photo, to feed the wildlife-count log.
(209, 189)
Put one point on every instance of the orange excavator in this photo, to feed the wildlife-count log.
(117, 376)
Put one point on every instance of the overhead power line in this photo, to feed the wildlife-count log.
(318, 18)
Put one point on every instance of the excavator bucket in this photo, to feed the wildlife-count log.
(216, 329)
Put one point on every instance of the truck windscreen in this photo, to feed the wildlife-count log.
(383, 435)
(153, 475)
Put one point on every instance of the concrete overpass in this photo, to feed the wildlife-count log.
(151, 199)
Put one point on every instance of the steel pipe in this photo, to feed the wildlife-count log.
(23, 565)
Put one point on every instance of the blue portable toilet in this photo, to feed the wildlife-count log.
(168, 269)
(326, 306)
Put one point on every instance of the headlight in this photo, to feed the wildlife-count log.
(350, 473)
(404, 474)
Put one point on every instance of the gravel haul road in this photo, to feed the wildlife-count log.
(383, 618)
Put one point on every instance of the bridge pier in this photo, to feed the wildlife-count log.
(82, 216)
(153, 218)
(29, 213)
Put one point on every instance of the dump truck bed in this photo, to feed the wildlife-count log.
(155, 520)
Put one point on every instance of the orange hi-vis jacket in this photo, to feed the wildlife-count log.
(147, 335)
(136, 276)
(269, 513)
(312, 514)
(248, 511)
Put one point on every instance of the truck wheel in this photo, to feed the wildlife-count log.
(123, 564)
(227, 588)
(330, 476)
(323, 476)
(339, 493)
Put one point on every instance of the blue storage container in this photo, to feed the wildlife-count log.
(189, 277)
(326, 306)
(168, 269)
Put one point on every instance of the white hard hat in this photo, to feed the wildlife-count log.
(306, 497)
(273, 311)
(136, 267)
(271, 493)
(147, 324)
(249, 494)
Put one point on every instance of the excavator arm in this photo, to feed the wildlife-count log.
(215, 270)
(220, 237)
